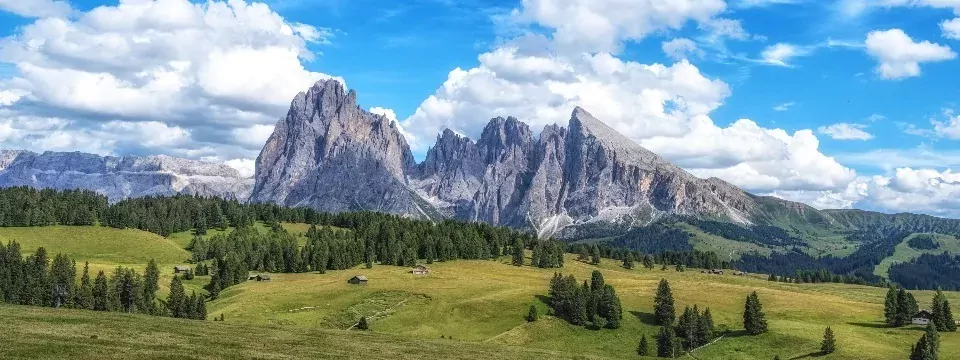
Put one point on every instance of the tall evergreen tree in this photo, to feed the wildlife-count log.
(628, 261)
(891, 308)
(829, 344)
(754, 320)
(151, 282)
(663, 309)
(595, 255)
(63, 273)
(85, 293)
(704, 332)
(933, 341)
(362, 324)
(904, 308)
(518, 251)
(942, 315)
(666, 342)
(101, 293)
(177, 299)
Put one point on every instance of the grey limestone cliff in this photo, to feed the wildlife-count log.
(121, 177)
(331, 155)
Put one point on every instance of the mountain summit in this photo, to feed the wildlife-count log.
(331, 155)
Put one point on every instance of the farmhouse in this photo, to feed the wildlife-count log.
(358, 280)
(922, 318)
(260, 277)
(181, 269)
(420, 270)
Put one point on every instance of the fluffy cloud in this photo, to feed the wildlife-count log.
(664, 108)
(142, 70)
(784, 107)
(246, 167)
(845, 131)
(36, 8)
(780, 54)
(681, 48)
(951, 28)
(600, 26)
(387, 113)
(899, 56)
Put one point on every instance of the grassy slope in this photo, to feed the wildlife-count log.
(725, 248)
(43, 333)
(903, 252)
(484, 301)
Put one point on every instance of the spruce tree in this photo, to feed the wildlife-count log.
(595, 255)
(663, 309)
(904, 308)
(754, 320)
(829, 344)
(643, 348)
(151, 282)
(947, 315)
(85, 294)
(362, 324)
(177, 299)
(890, 308)
(532, 315)
(666, 342)
(942, 315)
(648, 262)
(704, 329)
(933, 340)
(200, 309)
(518, 251)
(101, 293)
(628, 261)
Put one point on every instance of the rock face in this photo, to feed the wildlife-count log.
(119, 178)
(331, 155)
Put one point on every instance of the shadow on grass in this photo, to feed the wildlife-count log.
(814, 354)
(646, 318)
(872, 325)
(543, 298)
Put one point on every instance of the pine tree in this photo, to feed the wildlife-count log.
(362, 324)
(772, 277)
(754, 320)
(201, 308)
(532, 315)
(663, 310)
(904, 308)
(177, 299)
(942, 315)
(151, 282)
(85, 294)
(921, 351)
(890, 308)
(933, 341)
(704, 330)
(829, 344)
(648, 262)
(628, 261)
(518, 251)
(101, 301)
(947, 316)
(666, 342)
(595, 255)
(643, 349)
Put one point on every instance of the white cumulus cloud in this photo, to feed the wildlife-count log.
(846, 131)
(899, 56)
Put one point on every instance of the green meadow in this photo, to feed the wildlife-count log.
(463, 309)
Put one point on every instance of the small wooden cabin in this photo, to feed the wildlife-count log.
(358, 280)
(181, 269)
(420, 270)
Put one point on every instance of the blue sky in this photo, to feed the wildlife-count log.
(846, 103)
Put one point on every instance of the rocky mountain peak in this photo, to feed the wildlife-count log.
(329, 154)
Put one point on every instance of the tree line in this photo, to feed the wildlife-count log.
(37, 280)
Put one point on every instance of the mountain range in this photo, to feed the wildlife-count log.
(119, 178)
(330, 154)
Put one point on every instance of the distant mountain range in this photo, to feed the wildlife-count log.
(121, 177)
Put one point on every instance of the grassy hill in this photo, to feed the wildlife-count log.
(903, 252)
(484, 302)
(44, 333)
(479, 304)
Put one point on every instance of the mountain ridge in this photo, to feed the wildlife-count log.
(585, 173)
